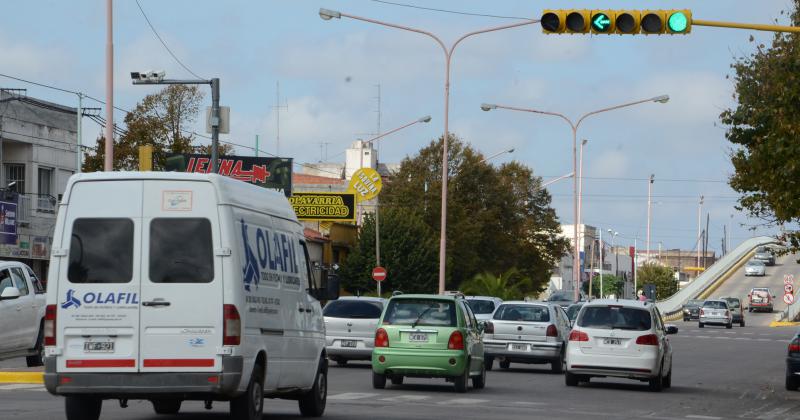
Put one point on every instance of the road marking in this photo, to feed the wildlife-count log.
(12, 387)
(351, 396)
(775, 413)
(457, 401)
(530, 403)
(697, 416)
(406, 398)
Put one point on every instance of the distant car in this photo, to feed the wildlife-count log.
(760, 299)
(428, 336)
(527, 332)
(735, 306)
(572, 311)
(350, 324)
(483, 306)
(620, 338)
(562, 297)
(715, 312)
(691, 309)
(755, 268)
(765, 254)
(793, 364)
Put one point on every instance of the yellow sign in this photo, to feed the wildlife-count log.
(366, 184)
(321, 207)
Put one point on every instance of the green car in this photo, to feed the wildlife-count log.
(428, 336)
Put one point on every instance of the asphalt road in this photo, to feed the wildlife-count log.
(738, 285)
(718, 373)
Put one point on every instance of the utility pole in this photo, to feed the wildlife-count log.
(214, 125)
(277, 109)
(649, 206)
(108, 162)
(602, 261)
(699, 228)
(705, 241)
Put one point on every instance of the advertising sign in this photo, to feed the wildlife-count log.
(8, 222)
(267, 172)
(366, 183)
(333, 207)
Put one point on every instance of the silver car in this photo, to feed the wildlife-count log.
(350, 324)
(483, 306)
(527, 332)
(755, 268)
(717, 312)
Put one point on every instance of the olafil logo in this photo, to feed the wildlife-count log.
(71, 301)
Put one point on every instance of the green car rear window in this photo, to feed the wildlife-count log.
(421, 312)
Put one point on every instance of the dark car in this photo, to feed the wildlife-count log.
(572, 311)
(563, 298)
(765, 255)
(735, 306)
(793, 364)
(691, 309)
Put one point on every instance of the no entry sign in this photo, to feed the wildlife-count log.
(788, 298)
(379, 274)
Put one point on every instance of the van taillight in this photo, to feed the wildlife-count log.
(489, 329)
(794, 346)
(552, 331)
(381, 338)
(647, 340)
(50, 325)
(575, 335)
(456, 341)
(231, 326)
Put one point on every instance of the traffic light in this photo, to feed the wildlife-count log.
(623, 22)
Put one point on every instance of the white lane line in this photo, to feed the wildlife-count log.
(406, 398)
(529, 403)
(456, 401)
(351, 396)
(775, 413)
(697, 416)
(12, 387)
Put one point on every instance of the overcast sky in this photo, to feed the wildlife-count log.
(328, 71)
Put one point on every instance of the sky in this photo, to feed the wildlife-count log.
(329, 72)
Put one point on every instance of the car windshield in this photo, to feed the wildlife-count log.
(755, 263)
(572, 311)
(530, 313)
(559, 296)
(421, 312)
(694, 302)
(361, 309)
(715, 304)
(732, 302)
(615, 317)
(481, 306)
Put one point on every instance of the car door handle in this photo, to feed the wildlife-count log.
(156, 303)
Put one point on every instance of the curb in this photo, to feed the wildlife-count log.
(774, 324)
(22, 377)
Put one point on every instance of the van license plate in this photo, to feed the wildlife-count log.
(519, 347)
(418, 338)
(98, 346)
(612, 341)
(348, 343)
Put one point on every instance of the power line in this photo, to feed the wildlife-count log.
(456, 12)
(164, 43)
(645, 179)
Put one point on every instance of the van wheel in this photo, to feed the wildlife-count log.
(460, 382)
(171, 406)
(38, 358)
(505, 364)
(312, 404)
(570, 379)
(488, 361)
(250, 405)
(83, 408)
(378, 381)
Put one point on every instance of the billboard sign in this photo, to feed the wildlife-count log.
(324, 207)
(268, 172)
(8, 221)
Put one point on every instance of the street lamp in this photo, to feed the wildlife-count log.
(580, 189)
(649, 213)
(326, 14)
(616, 254)
(497, 154)
(576, 250)
(157, 78)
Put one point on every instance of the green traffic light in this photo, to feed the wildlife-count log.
(678, 22)
(601, 22)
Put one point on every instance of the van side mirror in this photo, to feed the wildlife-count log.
(9, 293)
(671, 329)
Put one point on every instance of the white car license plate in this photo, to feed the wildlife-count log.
(348, 343)
(418, 338)
(98, 346)
(519, 347)
(612, 341)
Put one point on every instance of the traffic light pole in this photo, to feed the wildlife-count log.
(752, 26)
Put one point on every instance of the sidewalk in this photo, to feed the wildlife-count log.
(14, 371)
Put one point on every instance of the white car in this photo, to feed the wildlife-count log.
(483, 306)
(715, 312)
(755, 268)
(350, 324)
(620, 338)
(22, 304)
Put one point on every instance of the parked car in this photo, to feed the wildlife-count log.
(483, 306)
(765, 254)
(691, 309)
(620, 338)
(350, 324)
(572, 311)
(428, 336)
(755, 267)
(793, 364)
(737, 312)
(760, 299)
(22, 307)
(562, 297)
(715, 312)
(527, 332)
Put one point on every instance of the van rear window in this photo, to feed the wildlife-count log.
(101, 251)
(181, 251)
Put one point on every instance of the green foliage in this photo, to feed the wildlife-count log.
(612, 285)
(511, 285)
(497, 217)
(764, 128)
(409, 252)
(662, 277)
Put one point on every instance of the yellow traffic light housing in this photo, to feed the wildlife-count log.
(627, 22)
(577, 21)
(553, 21)
(623, 22)
(602, 21)
(653, 21)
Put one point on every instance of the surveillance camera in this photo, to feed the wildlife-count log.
(154, 75)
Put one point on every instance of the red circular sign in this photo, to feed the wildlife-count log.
(787, 288)
(788, 298)
(379, 274)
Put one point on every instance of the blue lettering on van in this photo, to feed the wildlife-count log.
(119, 298)
(273, 251)
(250, 269)
(71, 300)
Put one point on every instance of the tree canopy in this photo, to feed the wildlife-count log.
(764, 127)
(661, 276)
(510, 285)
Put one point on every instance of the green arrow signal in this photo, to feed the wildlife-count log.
(601, 22)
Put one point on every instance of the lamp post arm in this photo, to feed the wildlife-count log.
(612, 108)
(392, 131)
(493, 29)
(401, 27)
(536, 111)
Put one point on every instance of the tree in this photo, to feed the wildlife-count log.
(661, 276)
(510, 285)
(409, 252)
(161, 120)
(764, 127)
(612, 285)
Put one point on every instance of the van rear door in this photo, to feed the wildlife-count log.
(98, 278)
(181, 289)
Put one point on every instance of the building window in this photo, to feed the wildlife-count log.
(15, 172)
(45, 181)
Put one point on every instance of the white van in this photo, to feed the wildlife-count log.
(170, 287)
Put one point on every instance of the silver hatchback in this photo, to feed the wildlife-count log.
(350, 324)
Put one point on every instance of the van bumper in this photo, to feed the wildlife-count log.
(189, 385)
